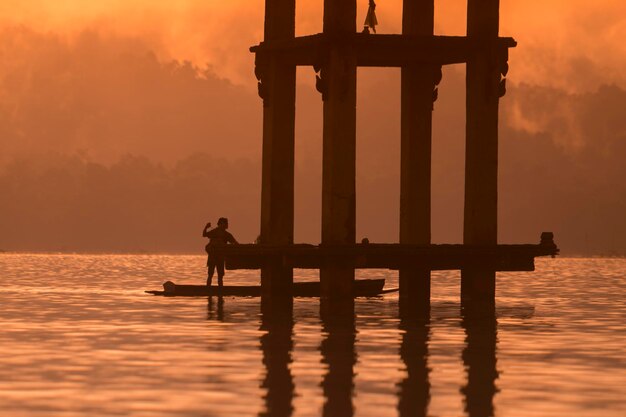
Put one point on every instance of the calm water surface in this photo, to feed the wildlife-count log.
(79, 337)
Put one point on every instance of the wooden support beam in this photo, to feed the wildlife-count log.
(481, 162)
(392, 256)
(417, 96)
(400, 50)
(338, 79)
(277, 87)
(383, 50)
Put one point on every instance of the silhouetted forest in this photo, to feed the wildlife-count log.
(106, 148)
(64, 203)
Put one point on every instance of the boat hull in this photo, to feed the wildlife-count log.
(362, 288)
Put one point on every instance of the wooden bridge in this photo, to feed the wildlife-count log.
(334, 56)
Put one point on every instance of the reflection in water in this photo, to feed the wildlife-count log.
(277, 346)
(339, 354)
(414, 390)
(479, 359)
(213, 312)
(140, 355)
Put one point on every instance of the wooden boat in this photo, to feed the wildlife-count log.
(362, 288)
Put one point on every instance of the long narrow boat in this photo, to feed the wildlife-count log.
(362, 288)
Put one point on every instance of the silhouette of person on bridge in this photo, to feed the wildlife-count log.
(370, 20)
(218, 238)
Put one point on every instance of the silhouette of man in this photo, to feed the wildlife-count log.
(370, 20)
(218, 238)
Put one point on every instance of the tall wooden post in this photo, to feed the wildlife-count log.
(339, 145)
(417, 95)
(277, 87)
(481, 162)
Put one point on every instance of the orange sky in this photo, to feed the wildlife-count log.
(101, 98)
(571, 44)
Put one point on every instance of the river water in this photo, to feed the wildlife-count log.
(80, 337)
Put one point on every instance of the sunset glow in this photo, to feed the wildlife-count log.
(167, 79)
(198, 221)
(571, 44)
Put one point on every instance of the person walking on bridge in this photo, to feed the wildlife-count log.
(218, 238)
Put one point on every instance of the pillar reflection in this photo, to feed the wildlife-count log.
(414, 389)
(339, 355)
(215, 309)
(479, 359)
(277, 347)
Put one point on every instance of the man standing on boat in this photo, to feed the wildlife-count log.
(218, 238)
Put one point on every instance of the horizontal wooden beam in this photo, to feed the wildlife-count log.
(382, 50)
(390, 256)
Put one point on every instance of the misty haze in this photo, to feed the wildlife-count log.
(106, 147)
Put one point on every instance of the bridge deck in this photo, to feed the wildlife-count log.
(389, 256)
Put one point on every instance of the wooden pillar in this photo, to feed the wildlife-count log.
(481, 161)
(417, 95)
(277, 87)
(338, 77)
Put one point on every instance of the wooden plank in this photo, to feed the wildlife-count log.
(383, 50)
(392, 256)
